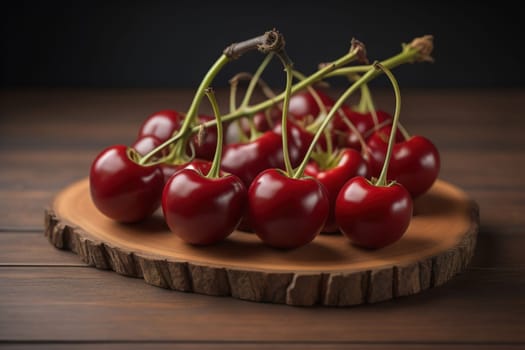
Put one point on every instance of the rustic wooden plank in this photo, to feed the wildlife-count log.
(481, 306)
(32, 248)
(23, 209)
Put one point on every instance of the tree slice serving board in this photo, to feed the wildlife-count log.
(329, 271)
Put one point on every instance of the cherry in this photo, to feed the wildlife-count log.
(161, 124)
(247, 160)
(202, 209)
(415, 162)
(285, 212)
(122, 189)
(348, 163)
(373, 216)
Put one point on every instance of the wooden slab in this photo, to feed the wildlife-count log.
(329, 271)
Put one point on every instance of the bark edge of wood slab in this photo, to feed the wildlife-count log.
(439, 244)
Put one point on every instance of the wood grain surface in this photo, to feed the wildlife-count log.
(438, 244)
(49, 299)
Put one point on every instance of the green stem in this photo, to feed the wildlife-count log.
(408, 55)
(234, 83)
(369, 103)
(284, 124)
(382, 180)
(253, 82)
(192, 112)
(315, 95)
(216, 164)
(318, 75)
(364, 79)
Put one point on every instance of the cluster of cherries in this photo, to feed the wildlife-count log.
(287, 172)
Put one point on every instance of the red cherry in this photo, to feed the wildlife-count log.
(350, 164)
(377, 144)
(286, 212)
(415, 162)
(247, 160)
(202, 210)
(373, 216)
(161, 124)
(121, 188)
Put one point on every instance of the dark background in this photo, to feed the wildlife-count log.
(173, 43)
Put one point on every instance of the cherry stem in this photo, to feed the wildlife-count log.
(268, 42)
(315, 95)
(216, 164)
(318, 75)
(192, 112)
(286, 104)
(234, 83)
(404, 131)
(354, 129)
(255, 79)
(382, 180)
(369, 102)
(364, 79)
(418, 50)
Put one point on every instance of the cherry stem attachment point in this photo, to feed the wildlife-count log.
(382, 180)
(216, 164)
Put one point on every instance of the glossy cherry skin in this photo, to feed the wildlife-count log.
(350, 164)
(200, 210)
(373, 216)
(247, 160)
(161, 124)
(122, 189)
(415, 163)
(285, 212)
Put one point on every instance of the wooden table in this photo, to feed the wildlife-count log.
(50, 299)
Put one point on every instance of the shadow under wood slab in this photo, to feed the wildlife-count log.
(439, 243)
